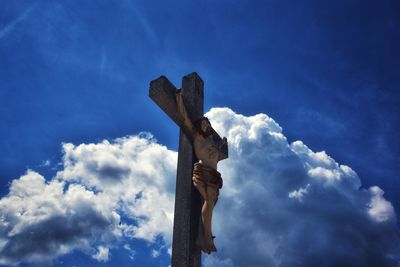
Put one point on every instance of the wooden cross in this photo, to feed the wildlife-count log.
(187, 198)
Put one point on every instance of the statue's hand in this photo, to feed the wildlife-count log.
(224, 142)
(179, 101)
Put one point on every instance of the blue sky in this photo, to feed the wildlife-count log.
(79, 71)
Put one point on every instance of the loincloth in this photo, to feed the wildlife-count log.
(207, 175)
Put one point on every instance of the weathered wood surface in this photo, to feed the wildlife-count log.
(162, 91)
(187, 198)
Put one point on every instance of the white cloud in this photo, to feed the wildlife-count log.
(299, 193)
(214, 261)
(257, 223)
(131, 252)
(155, 253)
(41, 220)
(281, 205)
(102, 254)
(84, 205)
(380, 209)
(45, 163)
(134, 171)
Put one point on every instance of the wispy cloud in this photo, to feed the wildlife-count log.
(144, 23)
(11, 25)
(103, 60)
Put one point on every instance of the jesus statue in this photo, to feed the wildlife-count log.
(205, 178)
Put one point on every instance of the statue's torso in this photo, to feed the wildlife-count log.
(206, 150)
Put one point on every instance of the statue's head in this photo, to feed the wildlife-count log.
(203, 126)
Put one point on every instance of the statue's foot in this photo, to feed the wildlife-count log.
(201, 241)
(206, 246)
(210, 247)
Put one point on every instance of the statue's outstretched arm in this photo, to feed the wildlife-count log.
(186, 123)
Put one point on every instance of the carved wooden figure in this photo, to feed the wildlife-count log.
(205, 178)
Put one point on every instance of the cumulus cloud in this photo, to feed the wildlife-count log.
(105, 192)
(380, 209)
(135, 172)
(281, 205)
(284, 205)
(40, 220)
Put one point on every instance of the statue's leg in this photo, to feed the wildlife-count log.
(201, 238)
(206, 214)
(209, 193)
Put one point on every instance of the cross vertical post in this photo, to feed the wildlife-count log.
(187, 211)
(187, 198)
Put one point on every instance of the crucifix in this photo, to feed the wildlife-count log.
(197, 180)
